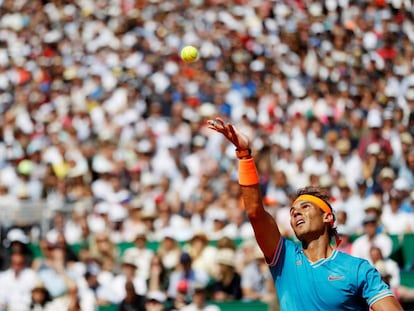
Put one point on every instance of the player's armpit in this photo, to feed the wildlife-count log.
(387, 304)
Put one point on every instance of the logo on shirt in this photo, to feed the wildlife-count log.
(335, 277)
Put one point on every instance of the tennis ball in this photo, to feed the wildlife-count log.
(189, 54)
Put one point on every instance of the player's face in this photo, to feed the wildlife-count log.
(306, 220)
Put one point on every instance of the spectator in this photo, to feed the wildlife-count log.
(238, 227)
(399, 160)
(256, 281)
(71, 301)
(406, 171)
(102, 247)
(391, 266)
(350, 203)
(386, 180)
(200, 302)
(370, 238)
(182, 298)
(201, 252)
(347, 163)
(133, 224)
(316, 163)
(89, 285)
(220, 221)
(374, 123)
(403, 293)
(16, 242)
(128, 274)
(140, 254)
(373, 206)
(40, 298)
(54, 272)
(158, 275)
(394, 219)
(226, 285)
(16, 284)
(345, 236)
(169, 251)
(155, 301)
(185, 271)
(132, 301)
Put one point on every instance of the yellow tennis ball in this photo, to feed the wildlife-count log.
(189, 54)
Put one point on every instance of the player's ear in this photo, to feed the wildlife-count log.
(328, 217)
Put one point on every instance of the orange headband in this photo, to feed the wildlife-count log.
(315, 200)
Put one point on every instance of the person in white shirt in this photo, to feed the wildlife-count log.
(351, 204)
(347, 163)
(370, 238)
(199, 302)
(391, 266)
(16, 284)
(72, 301)
(128, 273)
(394, 220)
(140, 254)
(315, 163)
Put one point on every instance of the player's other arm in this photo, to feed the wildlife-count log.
(388, 303)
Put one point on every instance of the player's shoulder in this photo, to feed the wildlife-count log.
(292, 245)
(349, 259)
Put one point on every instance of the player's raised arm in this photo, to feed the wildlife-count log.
(264, 225)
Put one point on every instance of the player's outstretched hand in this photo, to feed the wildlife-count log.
(239, 140)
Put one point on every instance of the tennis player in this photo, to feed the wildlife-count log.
(312, 275)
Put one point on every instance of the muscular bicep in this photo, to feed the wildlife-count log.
(387, 304)
(264, 225)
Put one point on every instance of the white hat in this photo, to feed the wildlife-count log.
(372, 202)
(297, 89)
(317, 28)
(129, 261)
(144, 146)
(406, 138)
(381, 268)
(387, 172)
(374, 119)
(117, 213)
(318, 144)
(409, 94)
(282, 10)
(219, 215)
(207, 109)
(315, 9)
(156, 295)
(343, 230)
(401, 184)
(226, 256)
(370, 41)
(390, 91)
(102, 207)
(325, 181)
(16, 235)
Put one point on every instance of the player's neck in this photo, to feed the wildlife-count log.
(317, 249)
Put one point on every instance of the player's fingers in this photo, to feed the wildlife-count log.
(218, 125)
(240, 140)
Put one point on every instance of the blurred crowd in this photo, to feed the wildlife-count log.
(105, 126)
